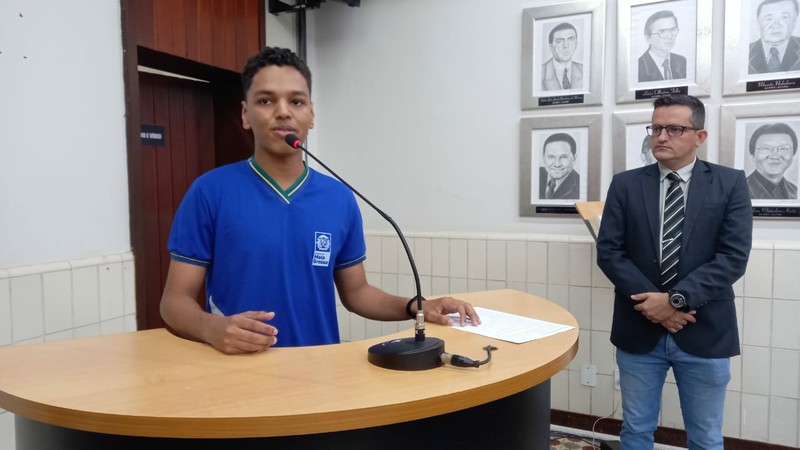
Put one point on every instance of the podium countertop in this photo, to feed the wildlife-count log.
(152, 383)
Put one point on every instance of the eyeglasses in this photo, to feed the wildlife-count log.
(672, 130)
(783, 150)
(665, 32)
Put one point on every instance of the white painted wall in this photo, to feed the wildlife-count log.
(418, 105)
(63, 167)
(282, 30)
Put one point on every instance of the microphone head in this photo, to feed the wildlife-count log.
(293, 140)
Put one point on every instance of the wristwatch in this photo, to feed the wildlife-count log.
(678, 300)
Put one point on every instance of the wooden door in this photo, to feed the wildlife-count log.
(206, 39)
(185, 110)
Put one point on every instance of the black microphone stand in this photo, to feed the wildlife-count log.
(419, 352)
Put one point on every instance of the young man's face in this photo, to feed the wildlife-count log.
(676, 151)
(564, 44)
(669, 28)
(278, 103)
(558, 159)
(773, 154)
(776, 21)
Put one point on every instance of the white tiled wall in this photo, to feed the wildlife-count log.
(763, 402)
(97, 296)
(64, 300)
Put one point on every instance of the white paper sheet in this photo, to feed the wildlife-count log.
(509, 327)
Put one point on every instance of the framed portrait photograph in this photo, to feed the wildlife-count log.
(663, 48)
(559, 163)
(762, 140)
(562, 54)
(762, 46)
(632, 144)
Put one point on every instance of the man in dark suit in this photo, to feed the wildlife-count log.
(674, 238)
(561, 73)
(658, 62)
(558, 178)
(777, 50)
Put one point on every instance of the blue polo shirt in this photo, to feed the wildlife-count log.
(269, 249)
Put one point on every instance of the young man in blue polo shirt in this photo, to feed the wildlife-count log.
(270, 237)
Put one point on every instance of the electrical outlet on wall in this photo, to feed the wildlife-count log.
(589, 375)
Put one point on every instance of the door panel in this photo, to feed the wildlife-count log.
(219, 33)
(185, 110)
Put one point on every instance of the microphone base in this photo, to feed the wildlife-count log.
(407, 354)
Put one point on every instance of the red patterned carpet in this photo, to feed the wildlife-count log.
(571, 443)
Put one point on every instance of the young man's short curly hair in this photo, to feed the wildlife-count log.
(273, 56)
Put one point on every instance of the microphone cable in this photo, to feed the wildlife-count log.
(463, 361)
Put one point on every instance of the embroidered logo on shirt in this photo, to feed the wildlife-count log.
(322, 249)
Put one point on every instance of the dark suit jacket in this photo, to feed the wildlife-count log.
(550, 80)
(648, 69)
(570, 188)
(761, 188)
(717, 235)
(791, 59)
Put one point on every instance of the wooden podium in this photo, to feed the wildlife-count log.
(591, 213)
(150, 387)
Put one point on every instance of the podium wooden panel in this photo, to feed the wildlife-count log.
(153, 384)
(591, 213)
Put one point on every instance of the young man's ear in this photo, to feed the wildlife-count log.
(245, 121)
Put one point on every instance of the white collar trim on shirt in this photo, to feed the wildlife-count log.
(685, 172)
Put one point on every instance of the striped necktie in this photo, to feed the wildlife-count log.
(673, 231)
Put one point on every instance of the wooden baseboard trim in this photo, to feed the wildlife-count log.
(666, 436)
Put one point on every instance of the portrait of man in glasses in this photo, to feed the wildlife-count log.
(772, 149)
(777, 50)
(659, 63)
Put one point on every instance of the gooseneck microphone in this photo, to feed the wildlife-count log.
(419, 352)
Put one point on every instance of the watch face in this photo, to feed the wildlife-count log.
(677, 300)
